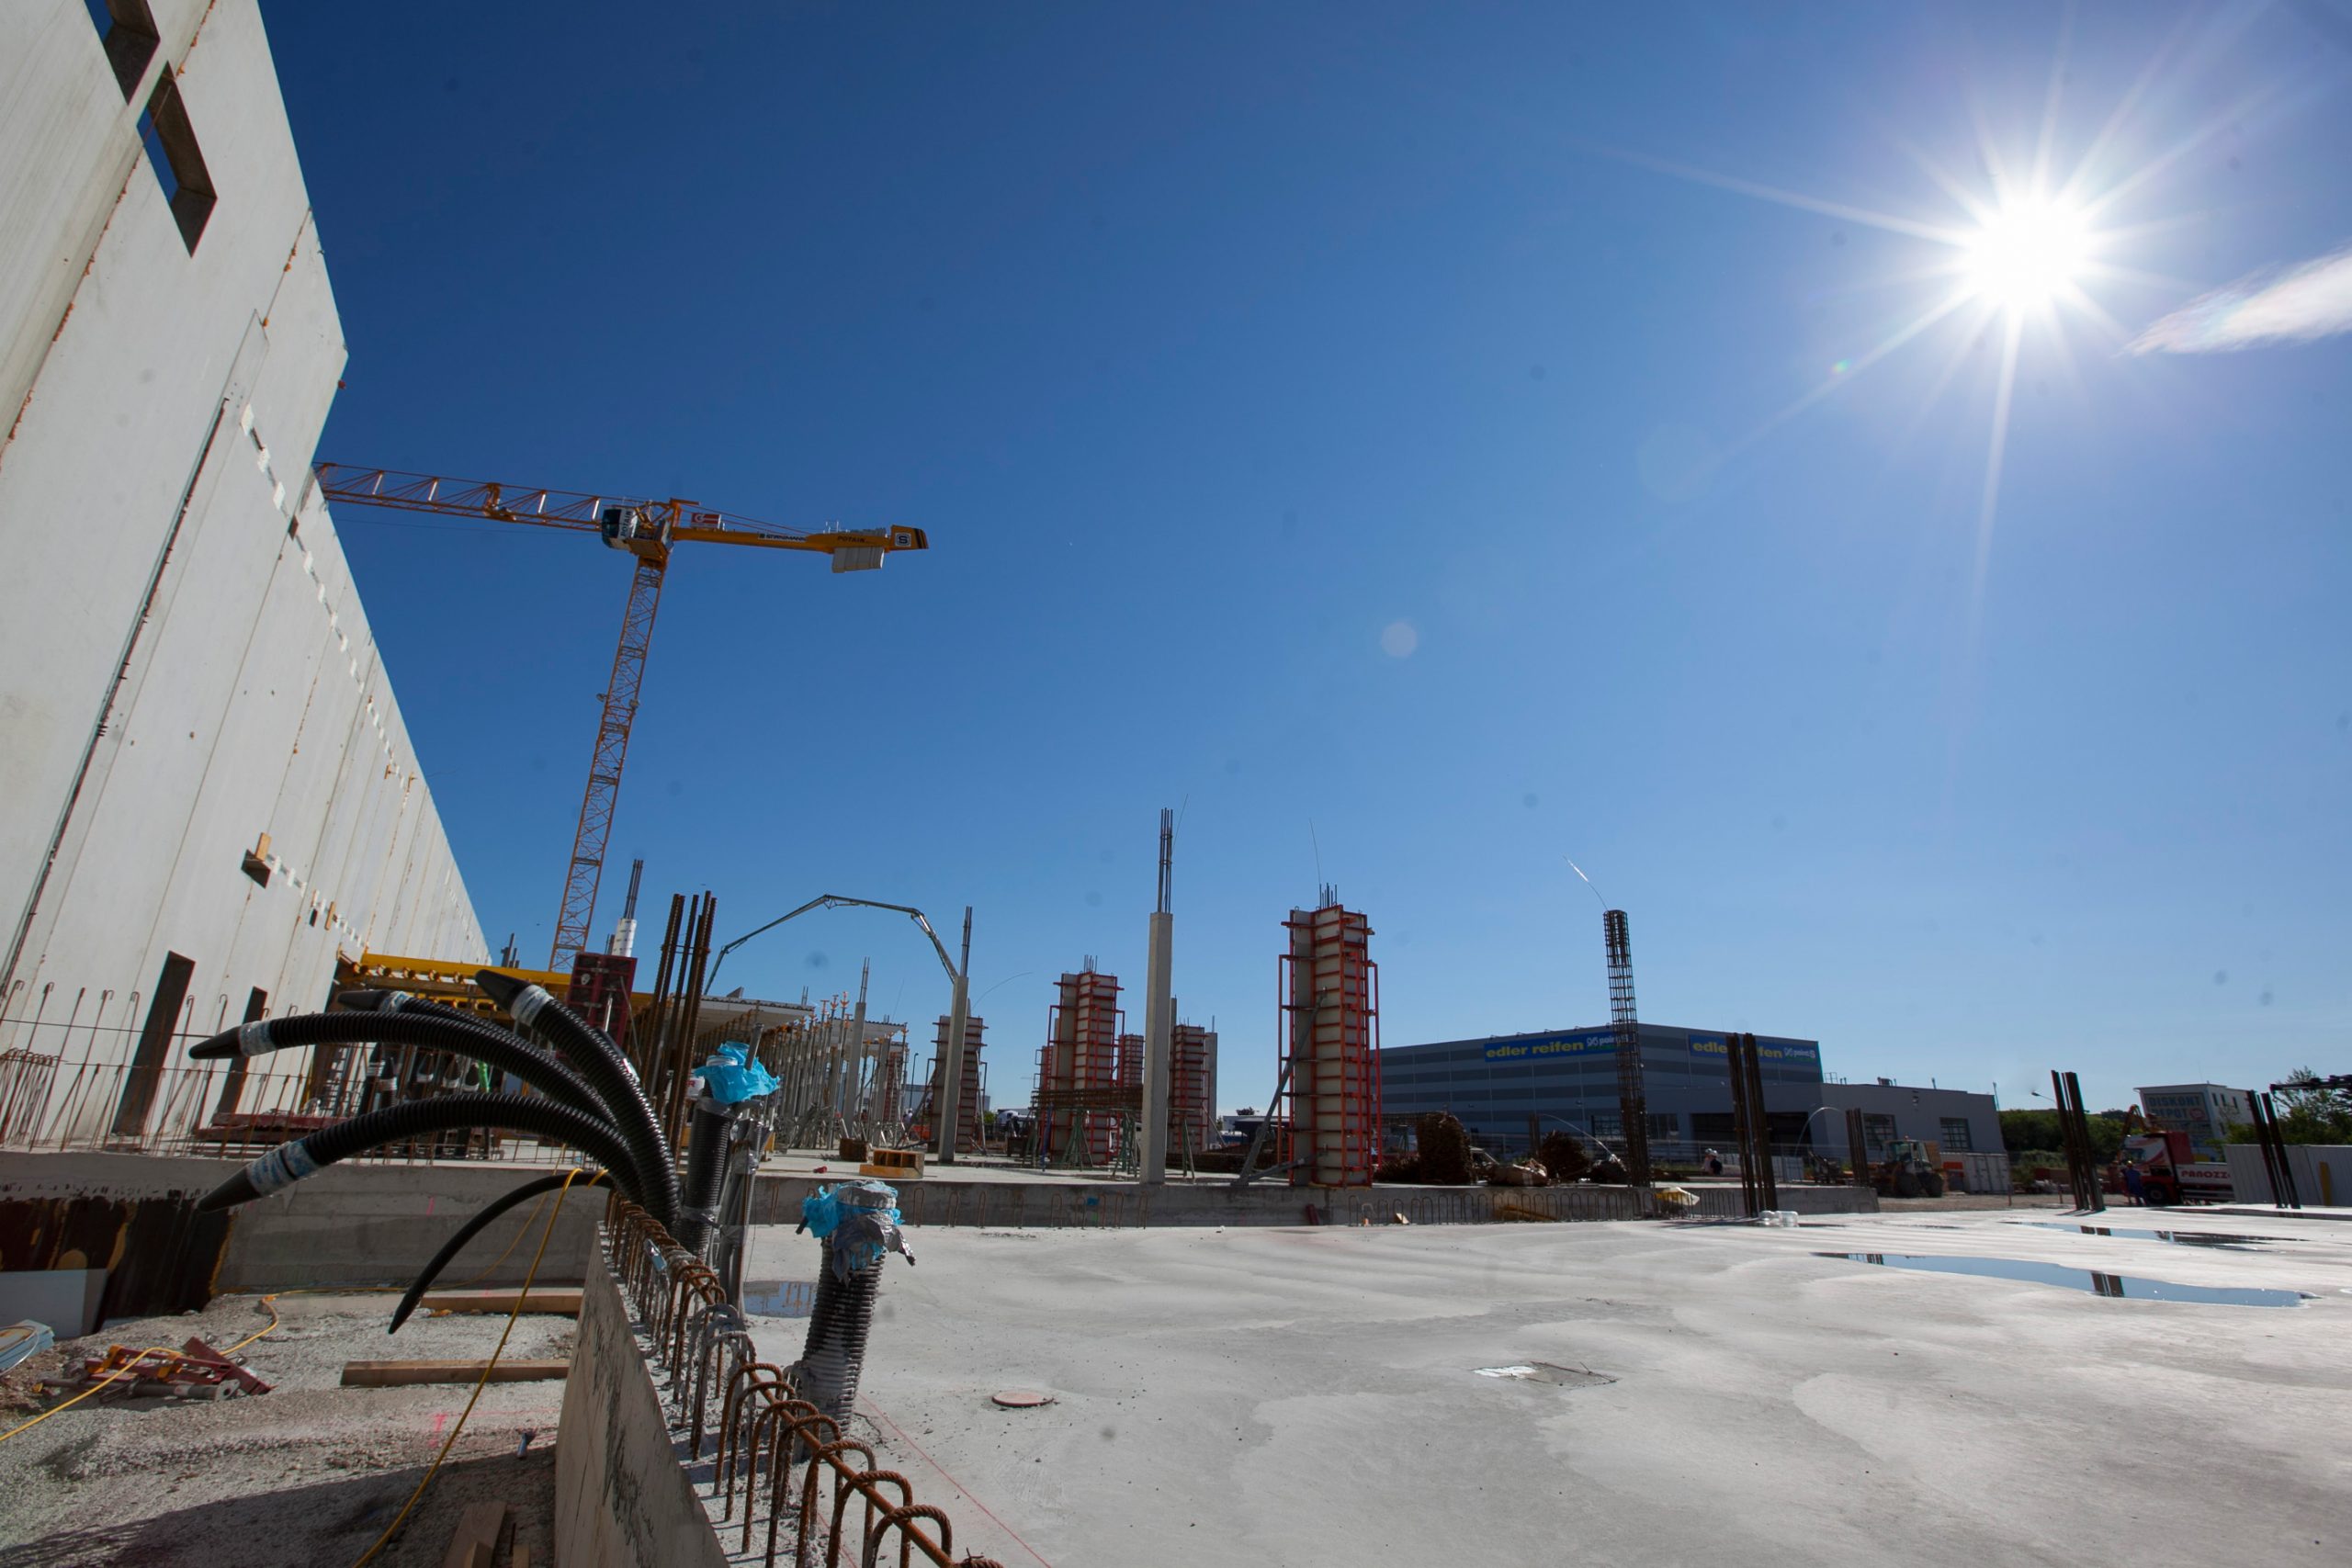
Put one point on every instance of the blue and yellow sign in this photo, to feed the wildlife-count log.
(1597, 1042)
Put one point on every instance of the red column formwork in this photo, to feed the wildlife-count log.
(1191, 1086)
(1081, 1052)
(1331, 1039)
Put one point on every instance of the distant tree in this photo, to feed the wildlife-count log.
(2030, 1130)
(2309, 1112)
(2023, 1130)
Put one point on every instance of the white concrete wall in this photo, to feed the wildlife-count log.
(2322, 1174)
(184, 664)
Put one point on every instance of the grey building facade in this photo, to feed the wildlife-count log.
(1568, 1078)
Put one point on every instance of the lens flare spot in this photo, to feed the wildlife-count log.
(1397, 640)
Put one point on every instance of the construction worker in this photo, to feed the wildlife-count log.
(1712, 1163)
(2135, 1186)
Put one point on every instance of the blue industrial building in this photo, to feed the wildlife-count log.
(1569, 1076)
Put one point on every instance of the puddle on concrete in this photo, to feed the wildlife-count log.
(2223, 1240)
(1545, 1371)
(2127, 1286)
(780, 1298)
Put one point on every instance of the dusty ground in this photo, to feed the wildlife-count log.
(1295, 1396)
(306, 1476)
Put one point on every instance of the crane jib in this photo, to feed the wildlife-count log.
(645, 529)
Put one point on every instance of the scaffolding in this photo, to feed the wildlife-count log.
(1081, 1057)
(1192, 1086)
(1330, 1006)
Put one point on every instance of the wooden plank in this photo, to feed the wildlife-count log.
(475, 1541)
(391, 1374)
(561, 1302)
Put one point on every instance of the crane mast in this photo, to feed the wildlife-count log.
(648, 530)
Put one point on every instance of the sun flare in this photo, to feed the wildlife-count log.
(2027, 255)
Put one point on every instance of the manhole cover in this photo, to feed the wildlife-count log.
(1021, 1398)
(1545, 1371)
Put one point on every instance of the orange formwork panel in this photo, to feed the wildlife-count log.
(1331, 1008)
(1082, 1055)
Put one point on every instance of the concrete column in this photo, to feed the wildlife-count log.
(854, 1052)
(1159, 1014)
(1159, 1009)
(947, 1105)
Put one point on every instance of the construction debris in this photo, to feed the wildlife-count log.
(197, 1371)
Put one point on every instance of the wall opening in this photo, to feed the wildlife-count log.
(126, 30)
(155, 1047)
(178, 163)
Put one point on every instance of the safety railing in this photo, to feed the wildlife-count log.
(798, 1472)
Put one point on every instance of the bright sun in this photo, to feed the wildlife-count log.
(2027, 255)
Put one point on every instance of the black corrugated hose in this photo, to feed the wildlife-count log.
(706, 1174)
(473, 1229)
(461, 1036)
(607, 1071)
(615, 1109)
(290, 1162)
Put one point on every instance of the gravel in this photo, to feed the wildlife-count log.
(306, 1475)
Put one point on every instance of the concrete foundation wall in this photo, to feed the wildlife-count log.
(622, 1497)
(350, 1225)
(189, 667)
(932, 1202)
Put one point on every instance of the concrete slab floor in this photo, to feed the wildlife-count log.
(1312, 1395)
(305, 1476)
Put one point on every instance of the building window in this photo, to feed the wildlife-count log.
(1665, 1125)
(1956, 1139)
(1878, 1131)
(179, 167)
(1607, 1124)
(126, 30)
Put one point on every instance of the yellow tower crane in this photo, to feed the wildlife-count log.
(647, 530)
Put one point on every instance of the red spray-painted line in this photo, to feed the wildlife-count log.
(959, 1486)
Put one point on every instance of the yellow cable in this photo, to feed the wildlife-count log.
(480, 1384)
(270, 1301)
(120, 1372)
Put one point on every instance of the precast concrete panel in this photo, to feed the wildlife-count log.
(69, 143)
(189, 667)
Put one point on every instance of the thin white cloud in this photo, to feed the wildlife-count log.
(2312, 300)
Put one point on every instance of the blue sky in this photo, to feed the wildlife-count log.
(1340, 424)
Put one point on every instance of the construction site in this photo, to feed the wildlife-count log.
(334, 1231)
